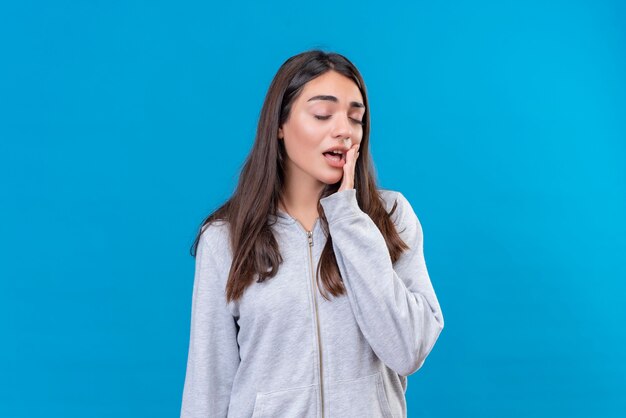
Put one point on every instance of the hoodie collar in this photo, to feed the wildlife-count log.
(282, 217)
(286, 219)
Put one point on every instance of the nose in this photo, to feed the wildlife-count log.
(343, 130)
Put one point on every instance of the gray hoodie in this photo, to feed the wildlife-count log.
(285, 351)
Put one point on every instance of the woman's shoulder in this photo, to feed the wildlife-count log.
(404, 212)
(388, 193)
(216, 235)
(390, 197)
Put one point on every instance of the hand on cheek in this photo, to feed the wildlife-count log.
(347, 181)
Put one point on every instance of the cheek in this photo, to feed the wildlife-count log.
(307, 130)
(303, 139)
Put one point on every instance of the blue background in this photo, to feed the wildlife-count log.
(122, 124)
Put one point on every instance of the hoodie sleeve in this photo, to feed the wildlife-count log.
(213, 356)
(394, 303)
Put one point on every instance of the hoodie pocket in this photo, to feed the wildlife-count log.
(300, 402)
(361, 397)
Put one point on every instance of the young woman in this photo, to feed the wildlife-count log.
(311, 296)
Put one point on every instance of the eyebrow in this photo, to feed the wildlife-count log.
(334, 99)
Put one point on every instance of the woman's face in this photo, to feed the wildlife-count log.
(316, 124)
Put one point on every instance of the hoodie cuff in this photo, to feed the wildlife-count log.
(340, 205)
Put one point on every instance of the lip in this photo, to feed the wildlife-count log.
(337, 148)
(333, 163)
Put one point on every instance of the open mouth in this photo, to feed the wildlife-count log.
(335, 156)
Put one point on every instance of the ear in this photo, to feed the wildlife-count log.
(280, 133)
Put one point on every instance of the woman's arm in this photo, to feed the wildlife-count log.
(394, 304)
(213, 351)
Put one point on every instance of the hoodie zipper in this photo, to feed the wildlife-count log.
(309, 235)
(317, 320)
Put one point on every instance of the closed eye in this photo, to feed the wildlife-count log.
(360, 122)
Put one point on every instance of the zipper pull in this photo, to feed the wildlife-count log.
(310, 235)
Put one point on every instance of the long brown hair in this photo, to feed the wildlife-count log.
(255, 250)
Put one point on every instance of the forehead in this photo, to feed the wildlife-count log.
(331, 83)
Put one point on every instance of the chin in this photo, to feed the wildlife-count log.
(330, 178)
